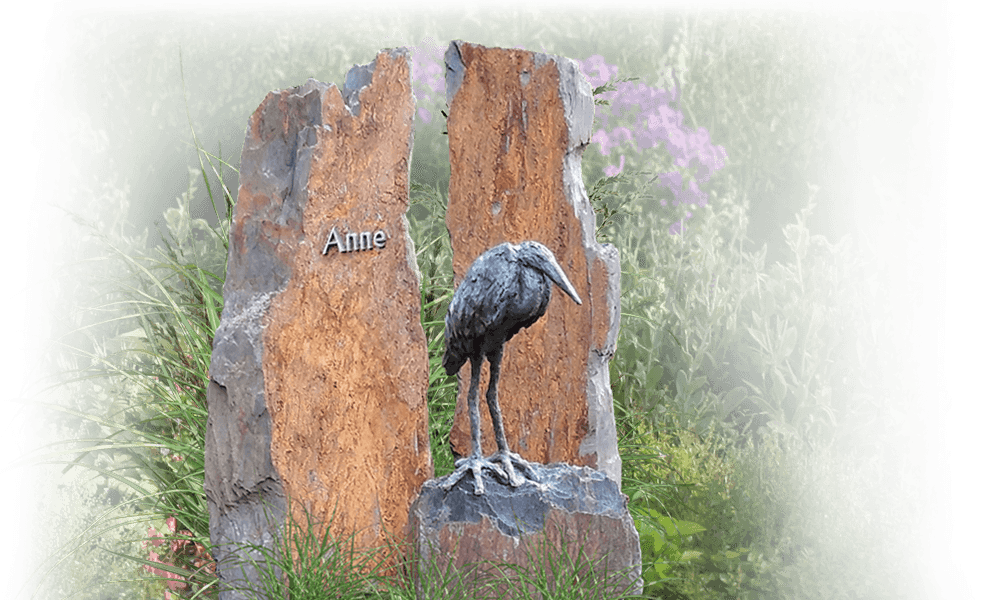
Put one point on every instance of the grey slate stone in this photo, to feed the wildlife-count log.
(569, 508)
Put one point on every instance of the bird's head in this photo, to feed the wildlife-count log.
(537, 256)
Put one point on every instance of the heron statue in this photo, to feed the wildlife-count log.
(505, 290)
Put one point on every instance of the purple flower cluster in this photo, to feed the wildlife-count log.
(639, 118)
(427, 74)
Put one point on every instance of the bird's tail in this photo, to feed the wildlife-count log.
(454, 350)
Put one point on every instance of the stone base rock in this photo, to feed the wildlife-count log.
(576, 515)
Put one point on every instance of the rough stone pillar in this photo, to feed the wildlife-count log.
(518, 123)
(317, 399)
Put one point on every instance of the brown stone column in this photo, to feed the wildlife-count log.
(518, 123)
(319, 367)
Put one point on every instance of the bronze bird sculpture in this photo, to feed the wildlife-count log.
(505, 290)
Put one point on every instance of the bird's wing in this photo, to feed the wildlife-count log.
(480, 306)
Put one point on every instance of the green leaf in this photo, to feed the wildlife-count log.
(758, 336)
(689, 555)
(779, 389)
(688, 359)
(731, 400)
(781, 428)
(662, 569)
(767, 303)
(676, 527)
(788, 340)
(653, 376)
(681, 383)
(697, 383)
(801, 241)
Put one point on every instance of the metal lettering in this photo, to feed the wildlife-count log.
(351, 242)
(333, 240)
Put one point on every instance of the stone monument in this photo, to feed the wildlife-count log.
(518, 123)
(517, 126)
(319, 375)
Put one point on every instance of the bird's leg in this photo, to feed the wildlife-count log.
(475, 461)
(504, 455)
(473, 399)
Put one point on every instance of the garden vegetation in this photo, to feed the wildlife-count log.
(751, 392)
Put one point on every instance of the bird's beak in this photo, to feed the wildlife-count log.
(540, 257)
(558, 276)
(567, 287)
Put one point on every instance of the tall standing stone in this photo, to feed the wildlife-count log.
(317, 400)
(518, 123)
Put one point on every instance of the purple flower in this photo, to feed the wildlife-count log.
(603, 141)
(639, 118)
(597, 71)
(427, 78)
(678, 226)
(645, 118)
(672, 181)
(665, 118)
(612, 170)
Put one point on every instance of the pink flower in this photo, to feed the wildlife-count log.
(154, 538)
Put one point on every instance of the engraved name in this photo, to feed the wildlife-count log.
(355, 242)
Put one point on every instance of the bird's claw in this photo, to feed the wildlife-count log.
(501, 463)
(476, 464)
(509, 460)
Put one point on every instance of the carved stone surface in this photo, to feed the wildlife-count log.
(459, 534)
(319, 370)
(518, 123)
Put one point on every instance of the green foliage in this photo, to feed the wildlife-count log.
(310, 562)
(797, 325)
(681, 297)
(747, 387)
(121, 474)
(772, 85)
(626, 35)
(325, 46)
(663, 540)
(426, 218)
(80, 537)
(192, 242)
(691, 533)
(803, 320)
(129, 412)
(825, 525)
